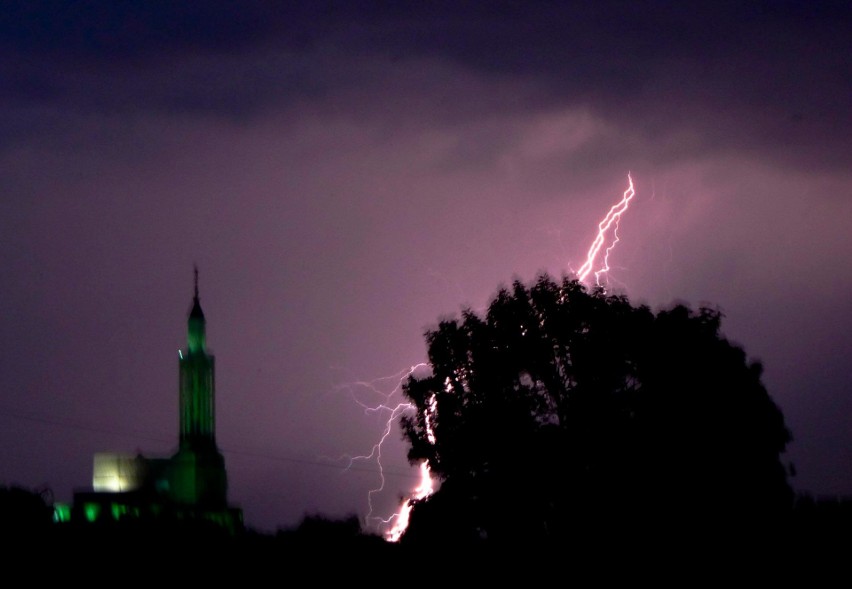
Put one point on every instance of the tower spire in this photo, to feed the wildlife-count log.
(196, 321)
(196, 379)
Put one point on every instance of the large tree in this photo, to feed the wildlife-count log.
(564, 410)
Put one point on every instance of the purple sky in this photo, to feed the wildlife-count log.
(346, 175)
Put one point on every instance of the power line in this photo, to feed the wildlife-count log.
(244, 452)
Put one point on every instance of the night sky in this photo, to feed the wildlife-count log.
(345, 174)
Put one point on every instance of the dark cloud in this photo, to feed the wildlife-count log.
(767, 77)
(123, 30)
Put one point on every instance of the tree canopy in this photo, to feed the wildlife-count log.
(563, 410)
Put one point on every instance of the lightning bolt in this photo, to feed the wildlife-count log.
(397, 523)
(401, 518)
(426, 487)
(610, 221)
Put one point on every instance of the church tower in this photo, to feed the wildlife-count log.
(197, 385)
(198, 468)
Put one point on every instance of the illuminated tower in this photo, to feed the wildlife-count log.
(191, 485)
(197, 385)
(198, 476)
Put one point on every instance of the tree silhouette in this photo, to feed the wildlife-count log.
(24, 512)
(564, 412)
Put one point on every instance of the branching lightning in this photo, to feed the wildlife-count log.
(609, 222)
(597, 263)
(398, 521)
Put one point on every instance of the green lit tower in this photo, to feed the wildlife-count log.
(191, 485)
(198, 476)
(197, 385)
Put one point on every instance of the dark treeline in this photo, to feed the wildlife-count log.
(815, 533)
(192, 550)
